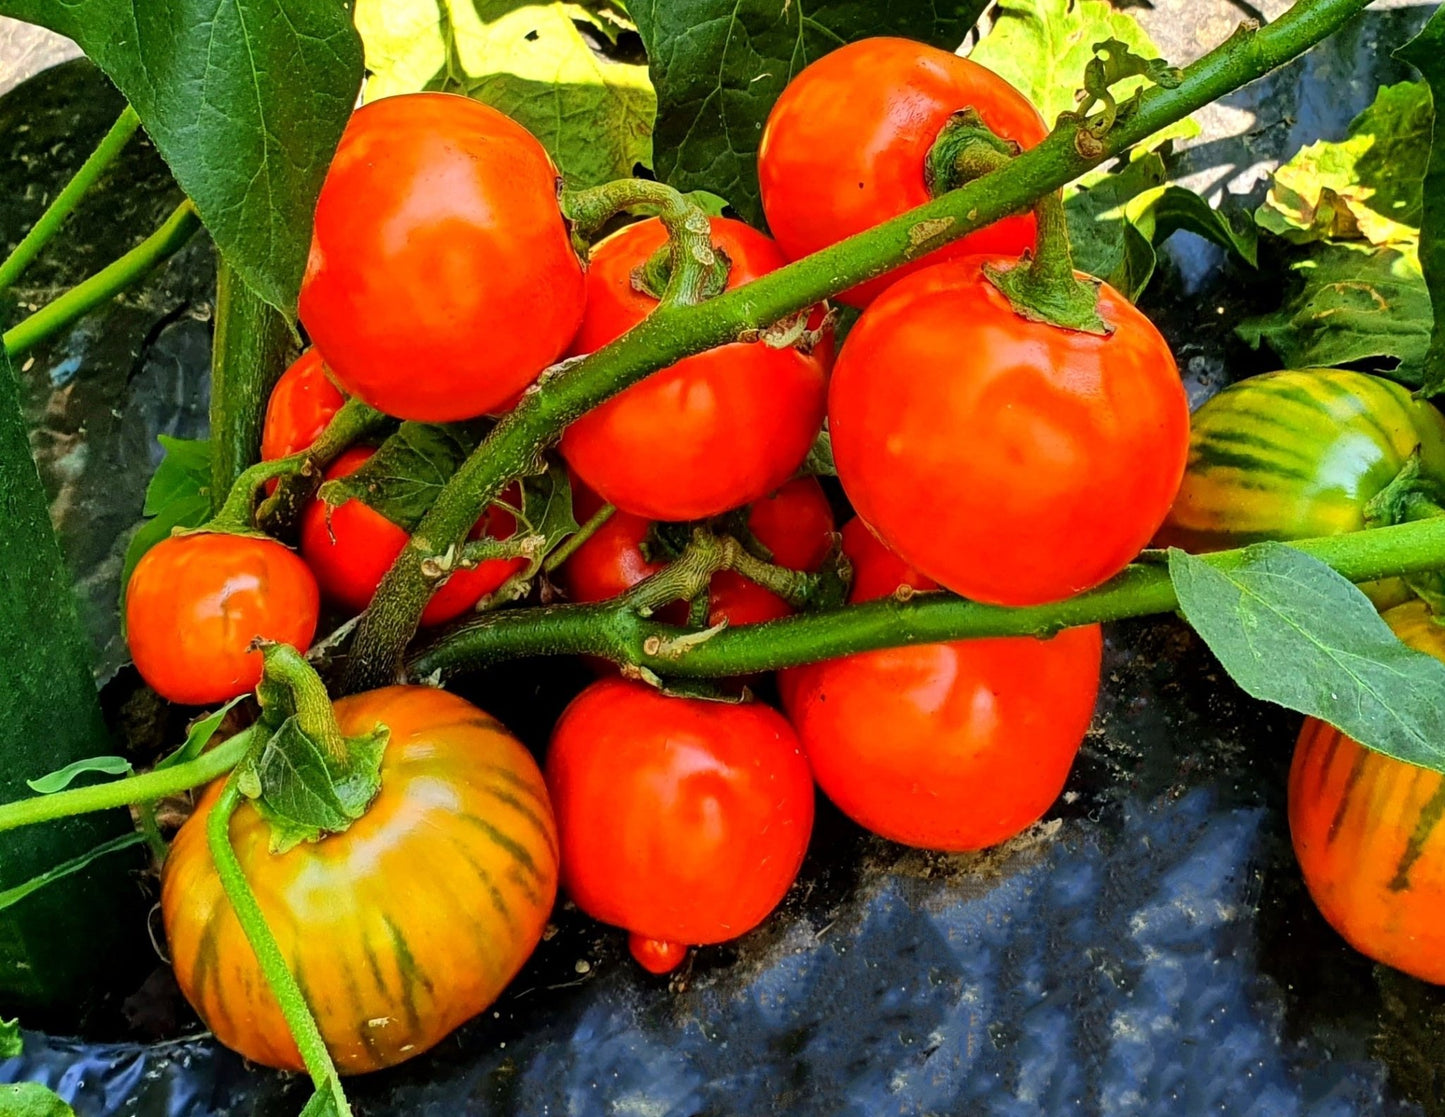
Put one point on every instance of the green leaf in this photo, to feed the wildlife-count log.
(547, 509)
(245, 99)
(719, 65)
(1290, 630)
(532, 61)
(61, 779)
(402, 479)
(1364, 187)
(11, 896)
(30, 1099)
(199, 735)
(179, 495)
(1426, 52)
(11, 1043)
(1043, 46)
(1351, 303)
(820, 461)
(303, 792)
(1099, 229)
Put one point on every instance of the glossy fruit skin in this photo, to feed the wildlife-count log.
(1367, 832)
(1297, 454)
(350, 547)
(845, 145)
(681, 820)
(795, 524)
(301, 404)
(655, 955)
(1057, 453)
(944, 746)
(391, 958)
(442, 278)
(710, 433)
(195, 603)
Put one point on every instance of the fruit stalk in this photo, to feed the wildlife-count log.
(105, 284)
(614, 629)
(105, 153)
(673, 332)
(294, 1008)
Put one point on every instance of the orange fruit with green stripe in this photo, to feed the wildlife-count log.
(1296, 455)
(402, 927)
(1369, 832)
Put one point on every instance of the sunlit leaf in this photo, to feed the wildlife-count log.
(534, 62)
(64, 777)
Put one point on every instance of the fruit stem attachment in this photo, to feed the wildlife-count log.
(303, 472)
(1045, 288)
(55, 214)
(290, 686)
(695, 269)
(278, 975)
(966, 149)
(144, 788)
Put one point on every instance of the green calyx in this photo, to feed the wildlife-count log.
(1410, 495)
(305, 777)
(966, 149)
(653, 276)
(1045, 288)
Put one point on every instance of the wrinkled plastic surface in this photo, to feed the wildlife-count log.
(1148, 950)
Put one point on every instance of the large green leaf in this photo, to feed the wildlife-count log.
(1426, 52)
(1042, 47)
(245, 99)
(719, 65)
(1366, 186)
(11, 1042)
(30, 1099)
(532, 61)
(1290, 630)
(1351, 303)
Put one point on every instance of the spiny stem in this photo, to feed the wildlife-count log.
(105, 284)
(614, 630)
(143, 788)
(297, 1012)
(55, 214)
(673, 332)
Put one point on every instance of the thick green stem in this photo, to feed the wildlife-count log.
(279, 977)
(68, 198)
(674, 332)
(615, 631)
(144, 788)
(105, 284)
(252, 343)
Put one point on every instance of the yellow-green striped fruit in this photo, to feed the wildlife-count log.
(1294, 455)
(400, 928)
(1369, 832)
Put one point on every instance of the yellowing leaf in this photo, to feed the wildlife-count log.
(1042, 47)
(1364, 187)
(594, 114)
